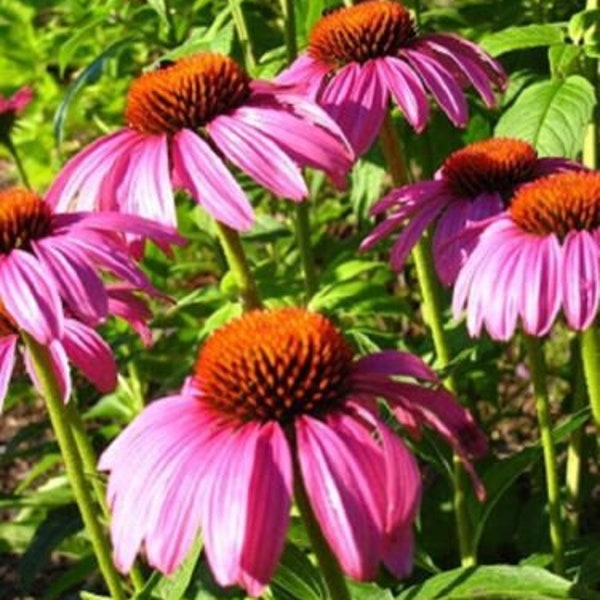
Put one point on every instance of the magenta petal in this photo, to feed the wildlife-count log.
(580, 271)
(444, 89)
(407, 90)
(257, 154)
(8, 345)
(209, 181)
(341, 496)
(76, 279)
(306, 75)
(394, 362)
(90, 353)
(123, 303)
(29, 295)
(269, 501)
(357, 100)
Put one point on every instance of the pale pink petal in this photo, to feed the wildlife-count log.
(580, 270)
(357, 100)
(407, 90)
(29, 294)
(90, 353)
(80, 180)
(444, 89)
(123, 303)
(541, 284)
(341, 496)
(257, 155)
(146, 188)
(209, 181)
(8, 345)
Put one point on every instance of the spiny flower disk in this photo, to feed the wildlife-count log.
(275, 365)
(186, 94)
(559, 204)
(371, 29)
(24, 217)
(495, 165)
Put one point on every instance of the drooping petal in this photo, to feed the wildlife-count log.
(77, 280)
(407, 90)
(209, 181)
(306, 75)
(258, 155)
(29, 295)
(395, 363)
(443, 87)
(307, 144)
(580, 271)
(123, 303)
(8, 345)
(341, 496)
(59, 363)
(90, 353)
(356, 99)
(269, 499)
(80, 180)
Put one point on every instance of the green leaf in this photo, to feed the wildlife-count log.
(584, 27)
(368, 591)
(501, 582)
(89, 75)
(565, 60)
(90, 596)
(518, 38)
(296, 578)
(552, 115)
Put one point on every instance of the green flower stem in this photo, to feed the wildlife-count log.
(302, 226)
(330, 568)
(574, 450)
(590, 355)
(89, 461)
(433, 313)
(302, 223)
(538, 373)
(239, 22)
(10, 146)
(238, 264)
(58, 416)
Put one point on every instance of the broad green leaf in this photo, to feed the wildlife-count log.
(90, 596)
(89, 75)
(296, 578)
(552, 115)
(366, 187)
(349, 270)
(584, 27)
(565, 60)
(174, 586)
(519, 38)
(368, 591)
(500, 582)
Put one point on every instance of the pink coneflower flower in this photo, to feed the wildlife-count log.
(359, 56)
(50, 285)
(272, 389)
(183, 122)
(11, 107)
(473, 184)
(540, 256)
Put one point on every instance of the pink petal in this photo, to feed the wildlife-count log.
(306, 75)
(90, 353)
(407, 90)
(580, 270)
(394, 362)
(357, 100)
(257, 155)
(76, 279)
(80, 180)
(341, 495)
(269, 500)
(444, 89)
(59, 364)
(205, 176)
(29, 295)
(8, 345)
